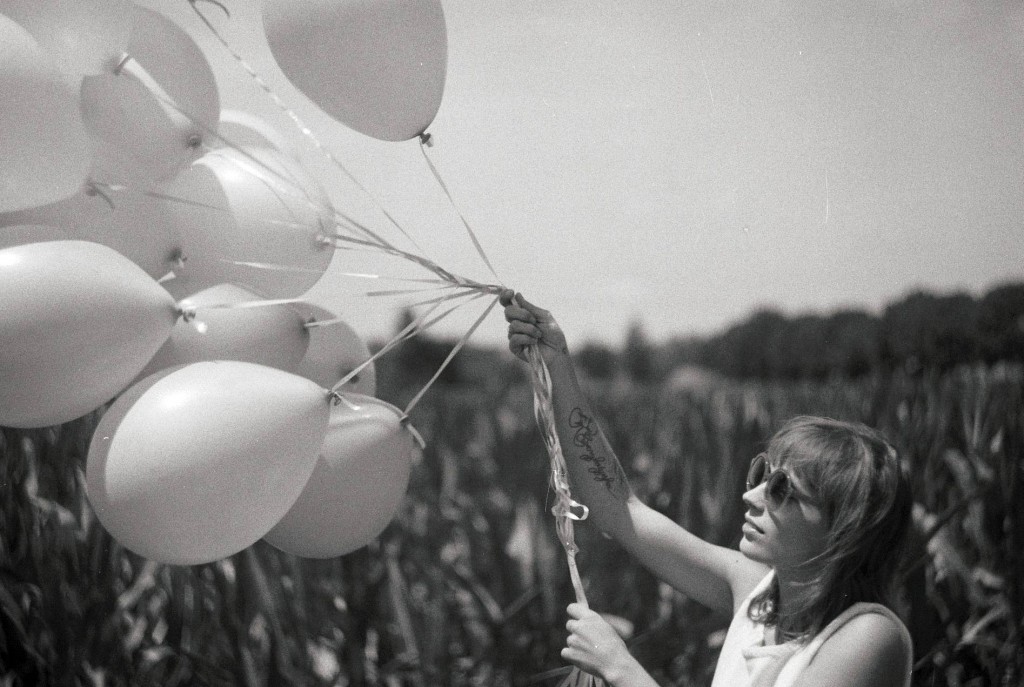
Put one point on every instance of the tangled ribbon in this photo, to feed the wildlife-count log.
(566, 510)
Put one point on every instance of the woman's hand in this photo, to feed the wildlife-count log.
(529, 325)
(594, 646)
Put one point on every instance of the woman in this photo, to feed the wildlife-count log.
(827, 513)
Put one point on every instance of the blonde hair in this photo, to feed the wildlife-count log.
(856, 477)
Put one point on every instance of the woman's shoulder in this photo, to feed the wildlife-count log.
(748, 579)
(867, 645)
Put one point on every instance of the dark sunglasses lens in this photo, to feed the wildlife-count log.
(778, 488)
(757, 472)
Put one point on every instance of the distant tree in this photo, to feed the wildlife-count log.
(1001, 323)
(920, 331)
(854, 343)
(682, 352)
(928, 331)
(798, 348)
(638, 356)
(597, 360)
(744, 350)
(417, 359)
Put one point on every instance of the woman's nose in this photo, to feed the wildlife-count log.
(754, 497)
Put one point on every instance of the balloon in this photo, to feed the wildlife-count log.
(197, 462)
(29, 233)
(77, 323)
(84, 36)
(377, 66)
(43, 143)
(241, 129)
(357, 485)
(149, 118)
(334, 351)
(131, 223)
(251, 217)
(272, 335)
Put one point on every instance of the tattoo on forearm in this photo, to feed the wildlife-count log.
(585, 432)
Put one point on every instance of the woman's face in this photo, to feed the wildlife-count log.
(784, 535)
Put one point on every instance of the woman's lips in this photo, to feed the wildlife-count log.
(748, 524)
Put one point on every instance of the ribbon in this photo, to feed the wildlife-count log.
(565, 508)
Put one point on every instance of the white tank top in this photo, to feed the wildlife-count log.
(745, 660)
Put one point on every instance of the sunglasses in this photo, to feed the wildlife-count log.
(778, 483)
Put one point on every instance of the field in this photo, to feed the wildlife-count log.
(468, 585)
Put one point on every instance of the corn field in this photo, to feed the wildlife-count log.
(468, 585)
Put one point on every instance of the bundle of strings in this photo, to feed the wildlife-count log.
(566, 510)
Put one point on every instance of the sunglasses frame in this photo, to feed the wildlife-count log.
(774, 479)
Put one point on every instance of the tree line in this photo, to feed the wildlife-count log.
(922, 331)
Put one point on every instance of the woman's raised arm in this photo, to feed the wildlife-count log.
(715, 576)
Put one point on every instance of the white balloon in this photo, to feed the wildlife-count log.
(78, 321)
(357, 484)
(271, 335)
(44, 148)
(150, 118)
(83, 36)
(241, 129)
(130, 222)
(377, 66)
(334, 351)
(197, 462)
(251, 217)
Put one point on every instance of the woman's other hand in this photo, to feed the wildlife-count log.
(593, 645)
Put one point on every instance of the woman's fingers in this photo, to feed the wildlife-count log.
(518, 343)
(513, 311)
(577, 610)
(520, 327)
(539, 313)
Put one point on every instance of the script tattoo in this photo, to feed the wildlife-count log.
(584, 433)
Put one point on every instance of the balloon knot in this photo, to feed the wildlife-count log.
(187, 312)
(121, 62)
(334, 398)
(194, 142)
(426, 139)
(93, 189)
(178, 258)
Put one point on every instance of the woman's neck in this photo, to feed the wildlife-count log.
(793, 589)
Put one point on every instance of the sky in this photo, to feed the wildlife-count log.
(681, 164)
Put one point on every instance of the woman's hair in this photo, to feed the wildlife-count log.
(856, 477)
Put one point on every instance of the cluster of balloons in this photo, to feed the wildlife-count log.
(154, 249)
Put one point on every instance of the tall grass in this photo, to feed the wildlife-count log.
(468, 587)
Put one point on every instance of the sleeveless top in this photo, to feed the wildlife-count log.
(745, 660)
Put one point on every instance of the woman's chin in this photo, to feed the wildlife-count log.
(752, 551)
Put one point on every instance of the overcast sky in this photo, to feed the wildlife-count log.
(683, 163)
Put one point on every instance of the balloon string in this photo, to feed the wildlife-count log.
(409, 331)
(424, 142)
(305, 130)
(128, 64)
(270, 266)
(565, 506)
(406, 292)
(563, 510)
(426, 263)
(451, 355)
(376, 241)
